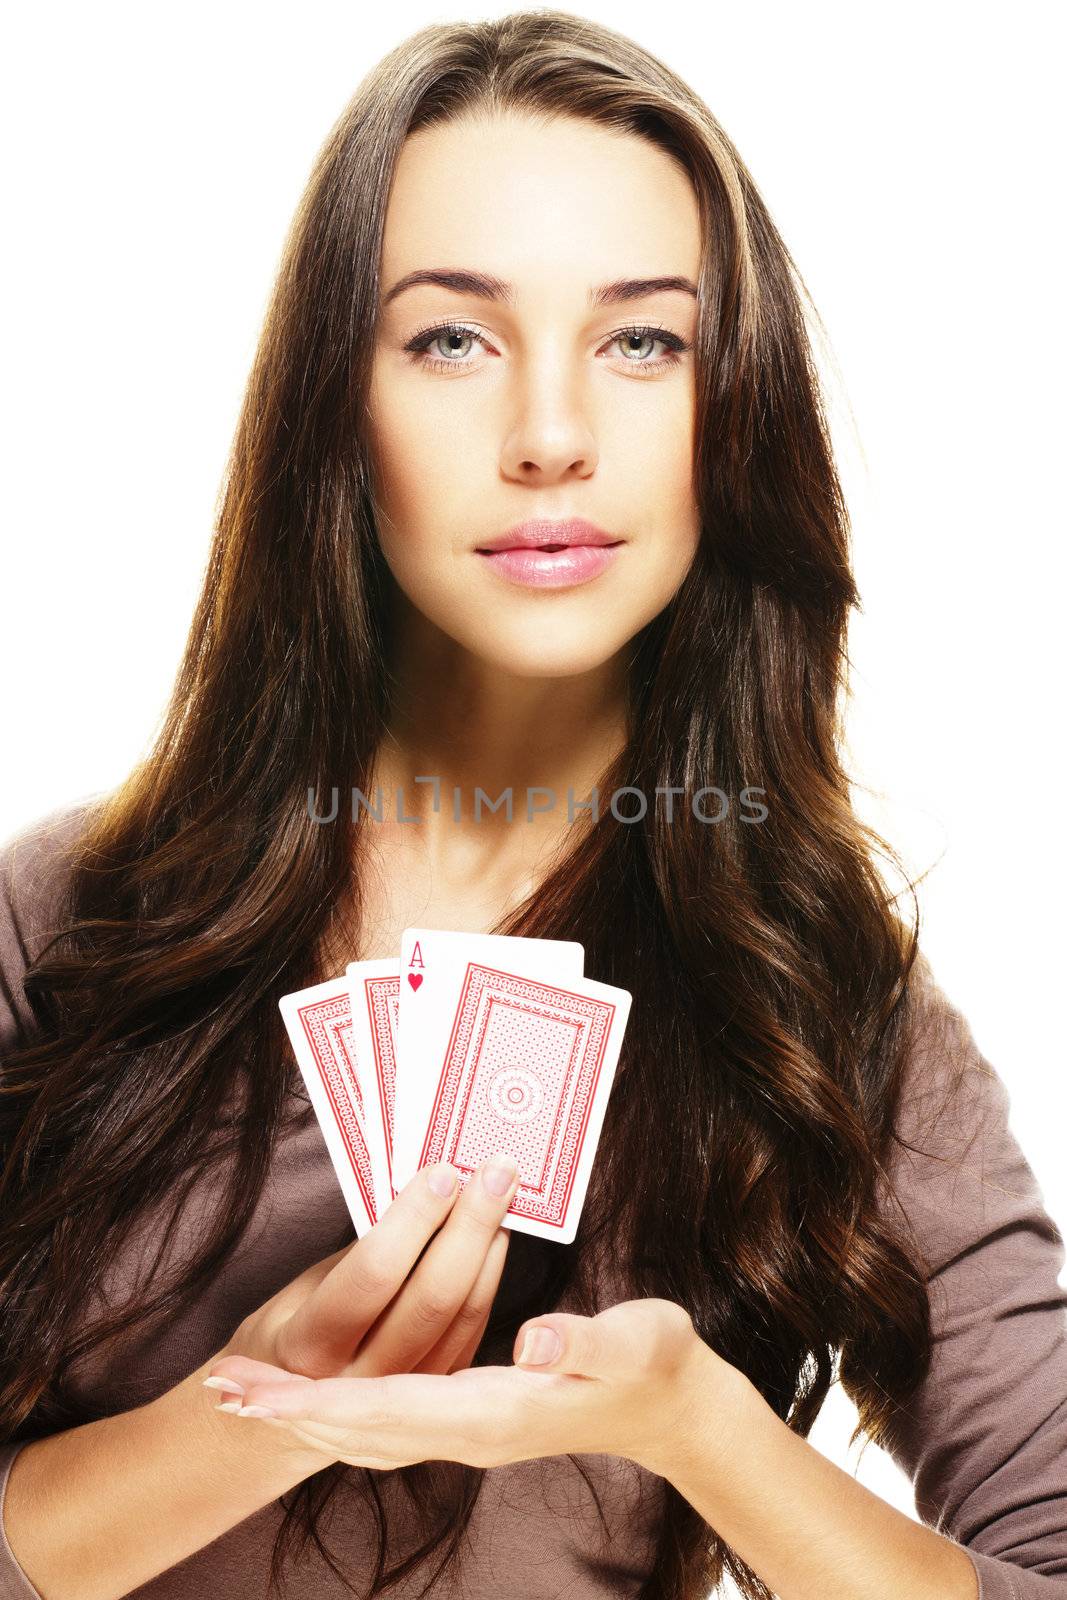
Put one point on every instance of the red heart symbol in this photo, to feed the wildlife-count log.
(414, 978)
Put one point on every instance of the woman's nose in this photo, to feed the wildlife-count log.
(550, 434)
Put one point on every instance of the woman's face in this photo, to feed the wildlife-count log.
(539, 401)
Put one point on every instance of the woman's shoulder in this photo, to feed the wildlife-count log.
(34, 876)
(955, 1168)
(949, 1090)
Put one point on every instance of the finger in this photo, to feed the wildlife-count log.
(323, 1332)
(471, 1416)
(562, 1342)
(635, 1336)
(457, 1347)
(239, 1372)
(353, 1404)
(445, 1277)
(393, 1408)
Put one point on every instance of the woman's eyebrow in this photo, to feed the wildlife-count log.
(486, 287)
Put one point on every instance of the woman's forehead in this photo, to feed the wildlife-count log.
(523, 199)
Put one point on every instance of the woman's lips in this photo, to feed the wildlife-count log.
(552, 569)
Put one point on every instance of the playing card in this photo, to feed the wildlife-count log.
(433, 964)
(374, 988)
(319, 1024)
(527, 1068)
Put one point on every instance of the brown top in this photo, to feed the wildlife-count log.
(985, 1444)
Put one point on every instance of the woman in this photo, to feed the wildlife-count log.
(530, 282)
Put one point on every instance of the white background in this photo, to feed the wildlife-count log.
(911, 159)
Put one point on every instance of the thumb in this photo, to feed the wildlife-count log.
(562, 1342)
(238, 1373)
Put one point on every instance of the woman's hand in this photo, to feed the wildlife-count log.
(620, 1383)
(413, 1295)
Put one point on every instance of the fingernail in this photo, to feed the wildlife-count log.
(227, 1385)
(256, 1411)
(540, 1346)
(499, 1174)
(229, 1405)
(442, 1179)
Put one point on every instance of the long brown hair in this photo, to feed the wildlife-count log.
(769, 966)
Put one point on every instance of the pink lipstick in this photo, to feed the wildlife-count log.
(551, 555)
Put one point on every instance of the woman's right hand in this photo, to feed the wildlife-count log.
(413, 1294)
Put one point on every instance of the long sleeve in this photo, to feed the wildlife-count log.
(536, 1529)
(31, 879)
(985, 1439)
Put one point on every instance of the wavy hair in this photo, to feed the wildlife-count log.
(769, 967)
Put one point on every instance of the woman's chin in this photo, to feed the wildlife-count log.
(546, 654)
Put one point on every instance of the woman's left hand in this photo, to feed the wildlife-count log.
(620, 1383)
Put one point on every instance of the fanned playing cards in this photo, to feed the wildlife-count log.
(465, 1045)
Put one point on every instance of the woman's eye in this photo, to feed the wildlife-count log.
(426, 346)
(635, 345)
(633, 341)
(450, 339)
